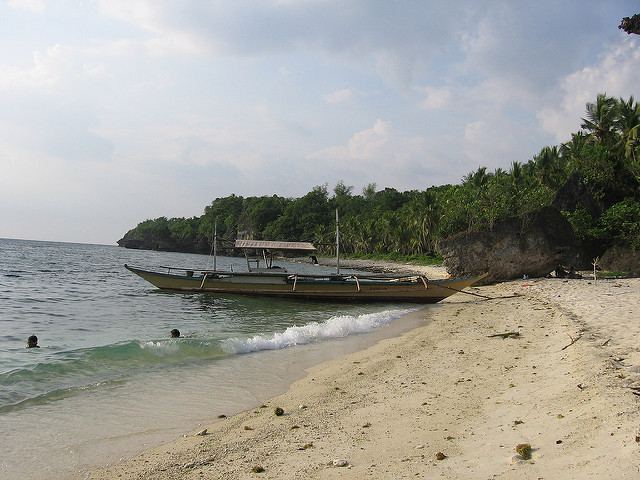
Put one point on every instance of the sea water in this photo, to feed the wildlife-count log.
(108, 381)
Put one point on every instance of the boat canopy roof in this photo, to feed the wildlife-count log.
(274, 245)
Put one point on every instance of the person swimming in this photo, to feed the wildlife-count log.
(32, 342)
(175, 333)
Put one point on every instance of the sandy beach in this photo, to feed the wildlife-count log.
(547, 362)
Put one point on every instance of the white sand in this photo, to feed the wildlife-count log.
(563, 386)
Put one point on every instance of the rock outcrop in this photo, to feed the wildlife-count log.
(151, 242)
(621, 259)
(532, 245)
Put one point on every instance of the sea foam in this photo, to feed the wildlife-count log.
(335, 327)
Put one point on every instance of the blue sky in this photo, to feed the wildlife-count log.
(116, 111)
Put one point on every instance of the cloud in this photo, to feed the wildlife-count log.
(34, 6)
(436, 98)
(399, 40)
(46, 70)
(364, 145)
(95, 71)
(380, 155)
(616, 73)
(338, 96)
(167, 31)
(474, 131)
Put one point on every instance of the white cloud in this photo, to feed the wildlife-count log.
(378, 155)
(141, 13)
(338, 96)
(436, 98)
(95, 71)
(365, 145)
(47, 68)
(615, 73)
(474, 131)
(166, 35)
(35, 6)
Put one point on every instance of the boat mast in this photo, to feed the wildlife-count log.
(337, 243)
(215, 244)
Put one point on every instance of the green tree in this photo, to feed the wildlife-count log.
(259, 212)
(369, 191)
(600, 119)
(550, 167)
(304, 219)
(572, 150)
(477, 178)
(628, 124)
(224, 213)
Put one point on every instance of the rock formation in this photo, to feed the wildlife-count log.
(621, 259)
(166, 244)
(532, 245)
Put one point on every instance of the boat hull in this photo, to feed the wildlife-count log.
(414, 289)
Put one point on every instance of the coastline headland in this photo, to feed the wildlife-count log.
(549, 363)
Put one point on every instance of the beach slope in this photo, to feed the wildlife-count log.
(550, 363)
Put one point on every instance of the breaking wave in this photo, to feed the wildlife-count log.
(335, 327)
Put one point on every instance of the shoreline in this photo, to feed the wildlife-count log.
(432, 272)
(563, 384)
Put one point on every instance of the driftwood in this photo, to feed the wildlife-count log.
(573, 340)
(505, 335)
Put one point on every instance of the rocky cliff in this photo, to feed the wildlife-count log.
(531, 245)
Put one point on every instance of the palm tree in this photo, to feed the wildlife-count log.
(548, 164)
(600, 121)
(477, 178)
(516, 172)
(530, 172)
(572, 150)
(628, 124)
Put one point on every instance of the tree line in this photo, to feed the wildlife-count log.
(604, 157)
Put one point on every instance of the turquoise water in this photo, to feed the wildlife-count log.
(107, 366)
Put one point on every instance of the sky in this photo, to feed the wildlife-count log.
(113, 112)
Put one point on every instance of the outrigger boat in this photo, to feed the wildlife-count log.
(272, 281)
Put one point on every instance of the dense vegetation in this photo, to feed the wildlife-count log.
(604, 156)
